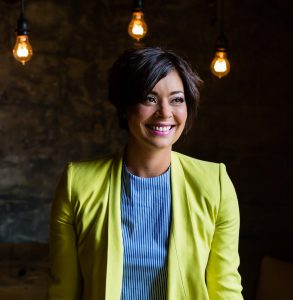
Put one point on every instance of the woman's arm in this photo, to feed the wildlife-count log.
(65, 280)
(223, 279)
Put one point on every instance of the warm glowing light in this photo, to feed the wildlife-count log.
(220, 65)
(22, 50)
(137, 27)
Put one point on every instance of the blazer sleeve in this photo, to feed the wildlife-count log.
(223, 279)
(65, 280)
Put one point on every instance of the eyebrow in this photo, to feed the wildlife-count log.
(172, 93)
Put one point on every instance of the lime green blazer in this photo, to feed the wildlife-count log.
(86, 250)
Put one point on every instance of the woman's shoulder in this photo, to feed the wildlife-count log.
(206, 173)
(209, 177)
(190, 162)
(97, 161)
(98, 166)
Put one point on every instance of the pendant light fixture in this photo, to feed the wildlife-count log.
(220, 65)
(22, 50)
(137, 27)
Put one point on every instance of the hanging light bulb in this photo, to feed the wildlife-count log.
(220, 65)
(137, 27)
(22, 50)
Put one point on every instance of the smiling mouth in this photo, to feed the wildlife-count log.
(161, 128)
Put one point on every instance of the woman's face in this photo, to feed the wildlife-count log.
(158, 121)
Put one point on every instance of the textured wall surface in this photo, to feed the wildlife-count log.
(55, 108)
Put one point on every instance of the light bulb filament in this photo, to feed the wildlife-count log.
(220, 65)
(22, 50)
(137, 29)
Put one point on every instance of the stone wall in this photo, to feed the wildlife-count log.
(55, 108)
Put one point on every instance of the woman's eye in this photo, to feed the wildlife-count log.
(178, 100)
(151, 99)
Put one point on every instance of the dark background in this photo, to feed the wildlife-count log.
(55, 108)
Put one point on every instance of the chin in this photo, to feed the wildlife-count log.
(163, 145)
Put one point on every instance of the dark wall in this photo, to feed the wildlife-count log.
(55, 108)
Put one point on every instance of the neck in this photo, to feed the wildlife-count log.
(144, 163)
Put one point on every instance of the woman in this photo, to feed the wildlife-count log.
(146, 223)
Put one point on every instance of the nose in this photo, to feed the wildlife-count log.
(164, 110)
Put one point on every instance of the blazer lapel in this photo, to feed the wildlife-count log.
(115, 244)
(178, 232)
(184, 270)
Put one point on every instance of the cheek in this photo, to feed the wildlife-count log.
(143, 113)
(182, 115)
(136, 116)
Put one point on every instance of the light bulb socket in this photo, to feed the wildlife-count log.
(22, 26)
(137, 6)
(221, 43)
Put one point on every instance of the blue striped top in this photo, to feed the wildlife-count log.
(146, 218)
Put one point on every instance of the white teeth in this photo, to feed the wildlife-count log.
(161, 128)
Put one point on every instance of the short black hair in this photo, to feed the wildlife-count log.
(135, 73)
